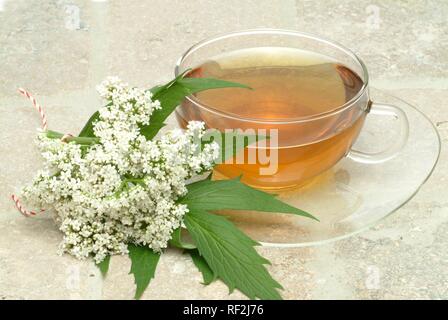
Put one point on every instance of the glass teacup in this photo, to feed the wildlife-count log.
(310, 96)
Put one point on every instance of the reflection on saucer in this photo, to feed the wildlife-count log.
(351, 196)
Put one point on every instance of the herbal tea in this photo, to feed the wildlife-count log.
(295, 92)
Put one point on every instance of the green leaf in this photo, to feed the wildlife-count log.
(143, 267)
(104, 266)
(176, 240)
(171, 96)
(87, 130)
(207, 273)
(200, 84)
(231, 255)
(155, 90)
(207, 195)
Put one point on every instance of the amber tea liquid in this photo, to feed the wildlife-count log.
(293, 92)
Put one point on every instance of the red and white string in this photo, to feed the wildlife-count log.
(43, 117)
(22, 210)
(37, 106)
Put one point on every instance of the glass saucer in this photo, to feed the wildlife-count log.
(352, 196)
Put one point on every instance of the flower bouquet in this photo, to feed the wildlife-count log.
(121, 187)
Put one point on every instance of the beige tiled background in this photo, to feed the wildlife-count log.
(61, 49)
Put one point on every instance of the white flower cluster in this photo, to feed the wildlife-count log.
(125, 188)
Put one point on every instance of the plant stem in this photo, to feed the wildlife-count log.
(79, 140)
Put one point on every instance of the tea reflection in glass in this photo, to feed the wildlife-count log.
(294, 91)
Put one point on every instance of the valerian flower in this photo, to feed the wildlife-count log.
(123, 189)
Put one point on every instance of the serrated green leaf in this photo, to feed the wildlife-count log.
(207, 274)
(173, 95)
(207, 195)
(104, 266)
(231, 255)
(176, 240)
(143, 267)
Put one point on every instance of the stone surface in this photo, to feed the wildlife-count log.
(398, 40)
(45, 46)
(61, 49)
(138, 50)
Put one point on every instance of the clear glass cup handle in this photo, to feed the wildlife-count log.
(398, 142)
